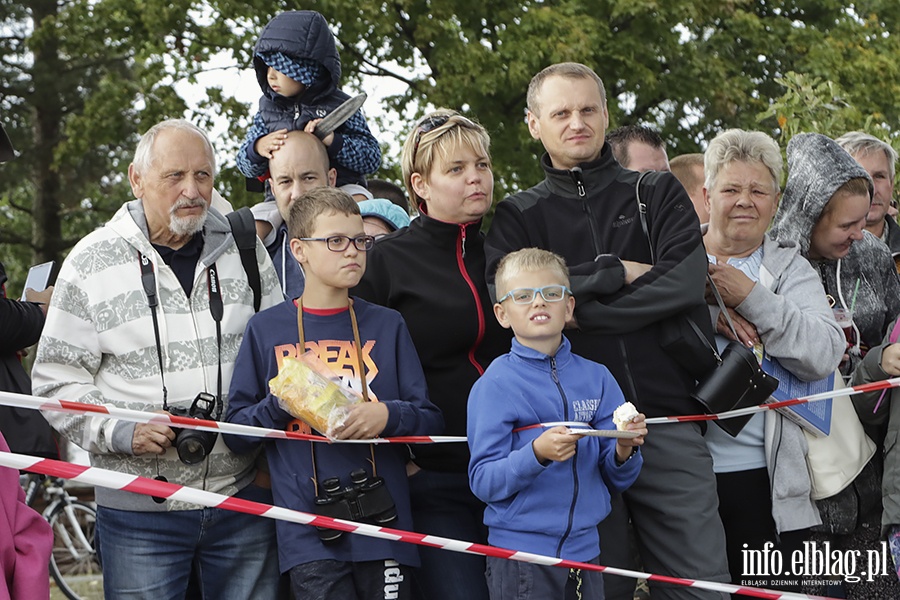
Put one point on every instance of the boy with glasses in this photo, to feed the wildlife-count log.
(535, 462)
(370, 349)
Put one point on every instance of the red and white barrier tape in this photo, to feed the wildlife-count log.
(848, 391)
(160, 489)
(124, 414)
(136, 416)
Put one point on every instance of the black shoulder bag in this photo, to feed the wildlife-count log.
(726, 381)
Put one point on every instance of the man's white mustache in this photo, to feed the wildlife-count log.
(199, 202)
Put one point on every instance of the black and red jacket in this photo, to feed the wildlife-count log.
(433, 274)
(589, 216)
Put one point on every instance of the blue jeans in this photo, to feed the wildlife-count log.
(514, 580)
(337, 580)
(151, 554)
(443, 505)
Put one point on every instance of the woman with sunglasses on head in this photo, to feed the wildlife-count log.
(432, 272)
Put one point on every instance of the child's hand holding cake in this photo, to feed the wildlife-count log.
(627, 418)
(623, 415)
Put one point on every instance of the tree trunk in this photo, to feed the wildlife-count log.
(47, 119)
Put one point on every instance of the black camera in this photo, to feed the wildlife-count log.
(367, 499)
(194, 445)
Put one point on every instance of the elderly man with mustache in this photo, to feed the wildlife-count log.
(148, 314)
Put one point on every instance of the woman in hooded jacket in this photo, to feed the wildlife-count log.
(826, 199)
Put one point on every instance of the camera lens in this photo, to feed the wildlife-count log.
(193, 446)
(329, 536)
(191, 451)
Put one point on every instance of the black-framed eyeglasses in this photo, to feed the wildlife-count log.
(550, 293)
(339, 243)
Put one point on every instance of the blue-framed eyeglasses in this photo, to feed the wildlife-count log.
(550, 293)
(339, 243)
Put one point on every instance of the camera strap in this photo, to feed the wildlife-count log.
(216, 309)
(362, 378)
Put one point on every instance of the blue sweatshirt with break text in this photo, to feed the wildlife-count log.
(393, 374)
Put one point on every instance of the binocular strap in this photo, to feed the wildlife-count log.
(362, 378)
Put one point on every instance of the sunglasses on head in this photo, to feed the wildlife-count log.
(433, 122)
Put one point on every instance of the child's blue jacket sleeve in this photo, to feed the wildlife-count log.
(249, 162)
(496, 470)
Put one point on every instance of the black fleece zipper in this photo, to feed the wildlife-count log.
(578, 179)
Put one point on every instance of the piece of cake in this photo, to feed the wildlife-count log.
(624, 414)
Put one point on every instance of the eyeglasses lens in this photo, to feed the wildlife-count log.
(550, 293)
(339, 243)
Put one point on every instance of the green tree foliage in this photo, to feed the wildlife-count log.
(809, 104)
(81, 78)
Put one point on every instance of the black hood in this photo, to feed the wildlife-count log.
(300, 34)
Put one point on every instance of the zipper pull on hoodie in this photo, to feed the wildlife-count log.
(462, 238)
(579, 181)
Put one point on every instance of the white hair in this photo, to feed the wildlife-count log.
(143, 154)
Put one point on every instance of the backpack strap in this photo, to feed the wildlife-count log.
(243, 229)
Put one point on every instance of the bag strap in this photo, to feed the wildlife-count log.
(642, 206)
(721, 304)
(243, 229)
(652, 176)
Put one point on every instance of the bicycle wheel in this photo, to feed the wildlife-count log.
(73, 563)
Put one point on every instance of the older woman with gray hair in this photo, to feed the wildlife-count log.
(777, 300)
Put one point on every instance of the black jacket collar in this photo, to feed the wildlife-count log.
(443, 232)
(595, 176)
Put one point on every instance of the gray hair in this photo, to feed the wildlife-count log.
(857, 142)
(143, 154)
(745, 146)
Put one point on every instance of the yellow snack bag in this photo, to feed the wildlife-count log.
(310, 391)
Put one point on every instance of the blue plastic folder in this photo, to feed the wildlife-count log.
(814, 417)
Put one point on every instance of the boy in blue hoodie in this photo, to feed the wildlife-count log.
(299, 70)
(547, 487)
(366, 345)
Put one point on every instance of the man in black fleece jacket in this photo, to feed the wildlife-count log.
(586, 210)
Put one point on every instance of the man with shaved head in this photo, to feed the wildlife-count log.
(301, 164)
